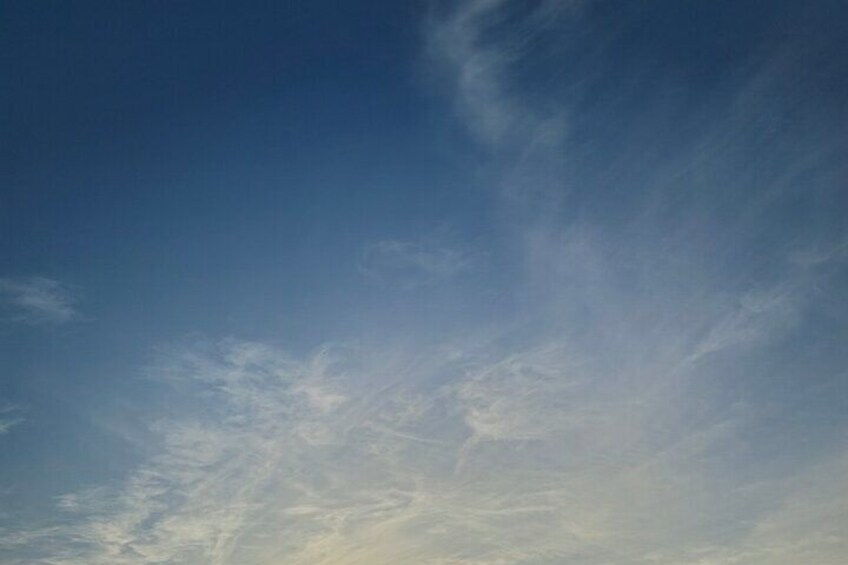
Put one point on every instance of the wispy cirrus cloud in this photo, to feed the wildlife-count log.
(10, 416)
(477, 47)
(485, 454)
(38, 300)
(414, 263)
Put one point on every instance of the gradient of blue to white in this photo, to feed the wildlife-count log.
(486, 282)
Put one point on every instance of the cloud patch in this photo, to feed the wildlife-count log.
(38, 300)
(489, 455)
(413, 263)
(10, 416)
(478, 69)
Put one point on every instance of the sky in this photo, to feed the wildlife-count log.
(474, 282)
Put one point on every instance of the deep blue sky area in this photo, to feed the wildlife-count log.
(467, 282)
(200, 147)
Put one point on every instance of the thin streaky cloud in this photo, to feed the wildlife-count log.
(536, 454)
(412, 264)
(38, 300)
(10, 416)
(478, 72)
(6, 424)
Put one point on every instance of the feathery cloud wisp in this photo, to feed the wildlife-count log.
(412, 264)
(9, 418)
(487, 455)
(38, 300)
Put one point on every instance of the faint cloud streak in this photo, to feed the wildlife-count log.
(38, 300)
(413, 264)
(9, 418)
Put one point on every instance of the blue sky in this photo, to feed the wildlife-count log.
(481, 282)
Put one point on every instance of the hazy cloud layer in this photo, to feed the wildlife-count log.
(540, 455)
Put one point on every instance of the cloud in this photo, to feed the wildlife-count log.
(412, 264)
(478, 69)
(9, 418)
(38, 300)
(487, 455)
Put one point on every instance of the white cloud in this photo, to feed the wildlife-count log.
(7, 424)
(9, 418)
(38, 300)
(526, 455)
(413, 264)
(479, 72)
